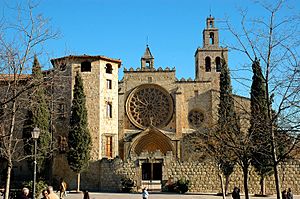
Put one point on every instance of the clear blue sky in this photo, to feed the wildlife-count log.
(119, 29)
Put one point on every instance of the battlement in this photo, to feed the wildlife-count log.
(159, 69)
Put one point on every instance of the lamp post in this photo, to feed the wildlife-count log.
(35, 135)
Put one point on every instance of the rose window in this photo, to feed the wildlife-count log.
(196, 118)
(149, 104)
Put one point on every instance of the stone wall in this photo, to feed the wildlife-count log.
(106, 175)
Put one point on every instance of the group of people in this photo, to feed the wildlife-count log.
(47, 193)
(287, 194)
(50, 194)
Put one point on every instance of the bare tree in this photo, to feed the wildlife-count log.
(19, 41)
(274, 40)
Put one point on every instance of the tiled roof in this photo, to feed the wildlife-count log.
(118, 61)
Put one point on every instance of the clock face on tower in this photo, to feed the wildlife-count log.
(149, 104)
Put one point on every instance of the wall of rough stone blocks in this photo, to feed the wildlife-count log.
(106, 175)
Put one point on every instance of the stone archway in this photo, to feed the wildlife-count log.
(152, 140)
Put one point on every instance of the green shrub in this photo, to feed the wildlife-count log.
(127, 185)
(182, 185)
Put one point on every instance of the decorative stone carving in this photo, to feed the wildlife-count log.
(196, 118)
(149, 104)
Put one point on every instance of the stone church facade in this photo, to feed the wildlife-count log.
(139, 125)
(141, 120)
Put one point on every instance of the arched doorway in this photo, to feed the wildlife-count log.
(151, 147)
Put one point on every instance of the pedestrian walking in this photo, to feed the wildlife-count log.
(145, 193)
(284, 194)
(86, 194)
(289, 194)
(62, 188)
(236, 193)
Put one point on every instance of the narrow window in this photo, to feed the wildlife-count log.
(211, 38)
(109, 110)
(207, 64)
(147, 64)
(211, 24)
(149, 79)
(108, 68)
(108, 147)
(218, 64)
(108, 84)
(196, 92)
(86, 66)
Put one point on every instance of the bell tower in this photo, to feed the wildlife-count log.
(208, 58)
(147, 61)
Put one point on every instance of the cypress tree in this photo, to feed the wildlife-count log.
(79, 138)
(38, 116)
(227, 115)
(261, 159)
(228, 122)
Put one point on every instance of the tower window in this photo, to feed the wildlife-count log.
(207, 64)
(210, 24)
(108, 146)
(211, 38)
(86, 66)
(108, 68)
(147, 64)
(108, 84)
(109, 110)
(218, 64)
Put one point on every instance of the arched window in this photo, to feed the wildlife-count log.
(210, 24)
(207, 64)
(108, 68)
(218, 64)
(147, 64)
(86, 66)
(211, 38)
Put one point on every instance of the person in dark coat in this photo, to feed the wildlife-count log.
(236, 193)
(86, 194)
(289, 194)
(283, 194)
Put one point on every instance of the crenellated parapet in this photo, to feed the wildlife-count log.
(159, 69)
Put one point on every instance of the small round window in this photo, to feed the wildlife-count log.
(196, 118)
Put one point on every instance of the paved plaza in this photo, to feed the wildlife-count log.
(94, 195)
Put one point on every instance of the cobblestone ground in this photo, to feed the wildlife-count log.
(94, 195)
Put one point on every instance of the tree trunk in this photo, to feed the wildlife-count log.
(222, 185)
(78, 182)
(8, 174)
(10, 148)
(277, 181)
(262, 185)
(275, 161)
(226, 183)
(245, 172)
